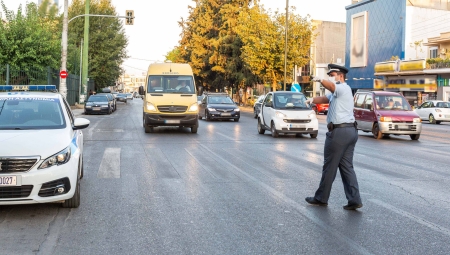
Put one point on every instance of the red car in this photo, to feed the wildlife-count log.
(320, 108)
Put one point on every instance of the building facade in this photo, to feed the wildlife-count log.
(328, 47)
(385, 31)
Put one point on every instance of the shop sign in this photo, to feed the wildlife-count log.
(425, 83)
(413, 65)
(384, 67)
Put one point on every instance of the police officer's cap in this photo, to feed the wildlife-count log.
(336, 68)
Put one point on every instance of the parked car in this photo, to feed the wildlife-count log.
(98, 104)
(320, 108)
(285, 112)
(121, 97)
(129, 96)
(385, 113)
(218, 106)
(434, 111)
(111, 98)
(257, 106)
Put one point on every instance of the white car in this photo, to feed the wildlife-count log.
(434, 111)
(41, 152)
(285, 112)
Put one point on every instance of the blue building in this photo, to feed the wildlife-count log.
(375, 33)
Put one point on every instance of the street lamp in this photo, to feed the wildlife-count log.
(285, 43)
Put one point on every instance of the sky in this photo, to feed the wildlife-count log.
(155, 31)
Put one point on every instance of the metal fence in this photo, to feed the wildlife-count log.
(38, 76)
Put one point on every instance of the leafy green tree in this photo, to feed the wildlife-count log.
(30, 38)
(107, 41)
(263, 37)
(174, 55)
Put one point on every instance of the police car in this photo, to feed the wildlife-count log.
(41, 147)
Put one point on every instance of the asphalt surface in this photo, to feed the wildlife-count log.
(229, 190)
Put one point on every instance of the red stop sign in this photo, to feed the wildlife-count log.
(63, 74)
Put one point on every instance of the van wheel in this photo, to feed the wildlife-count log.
(376, 131)
(148, 129)
(199, 117)
(431, 119)
(415, 137)
(273, 130)
(194, 129)
(261, 130)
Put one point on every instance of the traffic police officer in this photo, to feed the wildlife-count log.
(340, 139)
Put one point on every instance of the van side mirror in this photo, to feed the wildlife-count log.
(141, 90)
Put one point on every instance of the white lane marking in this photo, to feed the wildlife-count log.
(228, 137)
(417, 219)
(300, 208)
(110, 166)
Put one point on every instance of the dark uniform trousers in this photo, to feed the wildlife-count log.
(338, 152)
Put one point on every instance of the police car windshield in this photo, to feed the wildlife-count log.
(31, 113)
(98, 99)
(174, 84)
(290, 101)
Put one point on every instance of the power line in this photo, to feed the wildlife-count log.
(151, 60)
(134, 67)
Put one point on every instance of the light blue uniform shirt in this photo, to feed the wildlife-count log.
(340, 108)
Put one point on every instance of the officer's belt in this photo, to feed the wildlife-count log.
(332, 126)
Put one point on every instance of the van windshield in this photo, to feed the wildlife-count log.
(392, 103)
(175, 84)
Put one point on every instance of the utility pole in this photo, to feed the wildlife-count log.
(62, 81)
(84, 73)
(285, 43)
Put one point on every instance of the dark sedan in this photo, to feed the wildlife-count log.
(218, 106)
(98, 104)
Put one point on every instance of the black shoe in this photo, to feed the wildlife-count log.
(352, 206)
(314, 201)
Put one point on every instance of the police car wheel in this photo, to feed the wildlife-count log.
(313, 135)
(299, 135)
(255, 115)
(273, 130)
(82, 168)
(74, 202)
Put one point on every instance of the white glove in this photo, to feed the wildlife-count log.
(309, 101)
(316, 78)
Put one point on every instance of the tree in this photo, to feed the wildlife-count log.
(263, 37)
(174, 55)
(30, 38)
(107, 41)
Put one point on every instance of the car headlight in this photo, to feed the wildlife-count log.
(280, 115)
(151, 107)
(211, 109)
(88, 106)
(59, 158)
(193, 108)
(237, 110)
(312, 115)
(105, 106)
(438, 110)
(417, 120)
(385, 119)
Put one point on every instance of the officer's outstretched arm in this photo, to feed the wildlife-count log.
(328, 85)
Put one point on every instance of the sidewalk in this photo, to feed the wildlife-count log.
(77, 109)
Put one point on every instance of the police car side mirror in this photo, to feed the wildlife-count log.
(80, 123)
(269, 104)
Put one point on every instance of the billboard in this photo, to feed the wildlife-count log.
(358, 40)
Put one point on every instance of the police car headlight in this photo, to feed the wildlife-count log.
(280, 115)
(151, 107)
(193, 108)
(59, 158)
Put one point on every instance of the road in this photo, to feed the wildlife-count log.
(229, 190)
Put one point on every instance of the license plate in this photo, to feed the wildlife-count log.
(172, 121)
(8, 181)
(96, 108)
(297, 126)
(225, 114)
(403, 127)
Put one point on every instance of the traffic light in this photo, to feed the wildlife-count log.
(129, 20)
